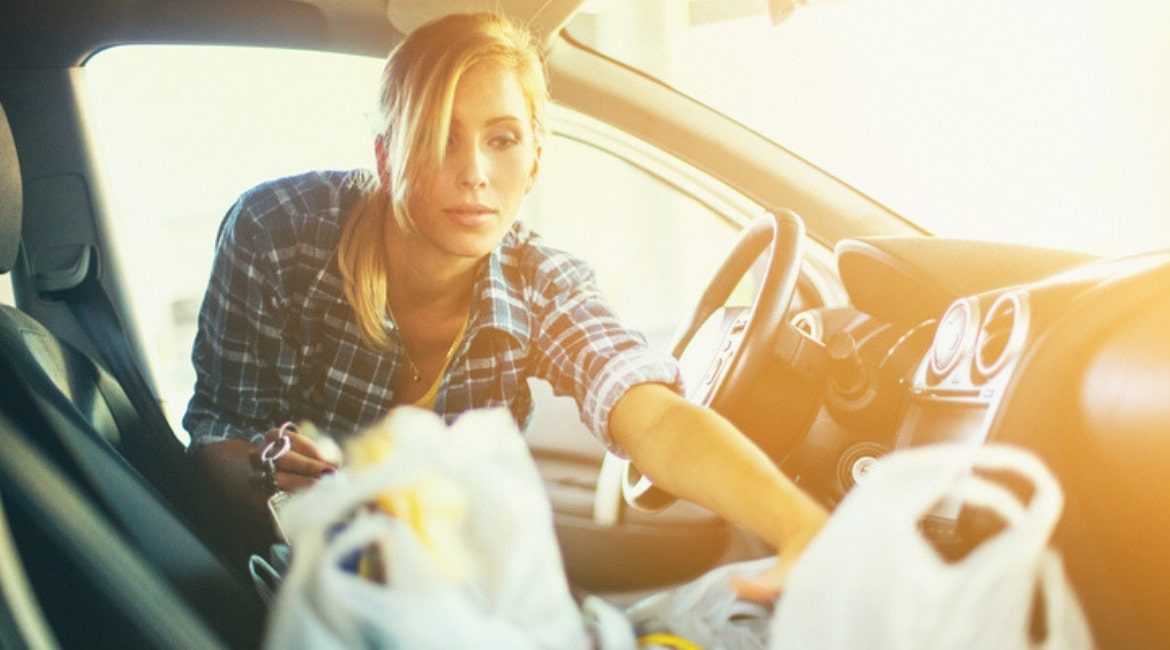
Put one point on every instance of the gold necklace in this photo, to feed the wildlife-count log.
(415, 373)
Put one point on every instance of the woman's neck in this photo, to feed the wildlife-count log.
(422, 277)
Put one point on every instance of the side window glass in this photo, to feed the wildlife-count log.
(652, 246)
(7, 295)
(179, 132)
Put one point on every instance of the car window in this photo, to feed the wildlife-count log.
(181, 131)
(1034, 122)
(652, 246)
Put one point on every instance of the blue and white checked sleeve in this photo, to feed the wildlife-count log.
(245, 357)
(584, 351)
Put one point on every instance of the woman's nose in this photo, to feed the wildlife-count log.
(472, 171)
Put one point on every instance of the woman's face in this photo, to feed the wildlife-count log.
(491, 161)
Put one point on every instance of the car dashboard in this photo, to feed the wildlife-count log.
(1060, 353)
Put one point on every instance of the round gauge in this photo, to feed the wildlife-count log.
(948, 338)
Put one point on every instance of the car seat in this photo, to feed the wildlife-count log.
(68, 415)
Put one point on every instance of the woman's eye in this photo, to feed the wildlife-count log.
(505, 141)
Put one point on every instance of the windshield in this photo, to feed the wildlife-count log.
(1038, 122)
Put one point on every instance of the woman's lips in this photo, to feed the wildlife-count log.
(470, 216)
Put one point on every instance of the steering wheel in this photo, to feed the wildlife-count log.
(766, 377)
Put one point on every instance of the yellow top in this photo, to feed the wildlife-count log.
(427, 401)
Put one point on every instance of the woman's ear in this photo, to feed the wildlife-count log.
(535, 170)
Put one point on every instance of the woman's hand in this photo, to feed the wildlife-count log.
(766, 587)
(234, 471)
(297, 469)
(663, 433)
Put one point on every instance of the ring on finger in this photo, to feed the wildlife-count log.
(275, 449)
(270, 484)
(268, 474)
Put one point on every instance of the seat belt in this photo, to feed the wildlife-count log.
(94, 311)
(176, 478)
(138, 416)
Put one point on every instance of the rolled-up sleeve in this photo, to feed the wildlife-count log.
(583, 350)
(245, 356)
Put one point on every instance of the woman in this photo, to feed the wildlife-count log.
(338, 295)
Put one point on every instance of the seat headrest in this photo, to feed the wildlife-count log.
(11, 196)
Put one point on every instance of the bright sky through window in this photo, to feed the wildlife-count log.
(1040, 122)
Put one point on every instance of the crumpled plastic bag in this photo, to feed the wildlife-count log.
(872, 580)
(465, 545)
(705, 612)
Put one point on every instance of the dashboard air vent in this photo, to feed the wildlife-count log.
(1000, 335)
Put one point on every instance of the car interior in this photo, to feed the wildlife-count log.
(862, 334)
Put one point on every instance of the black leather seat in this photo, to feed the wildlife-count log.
(71, 418)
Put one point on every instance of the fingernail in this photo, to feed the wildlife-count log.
(327, 471)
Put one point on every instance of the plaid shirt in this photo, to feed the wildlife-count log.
(278, 341)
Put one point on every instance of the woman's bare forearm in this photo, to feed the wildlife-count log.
(696, 454)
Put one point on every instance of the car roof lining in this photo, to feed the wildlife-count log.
(36, 34)
(41, 38)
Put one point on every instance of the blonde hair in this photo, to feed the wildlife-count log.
(418, 90)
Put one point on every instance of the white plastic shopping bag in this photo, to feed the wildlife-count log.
(468, 560)
(705, 613)
(871, 580)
